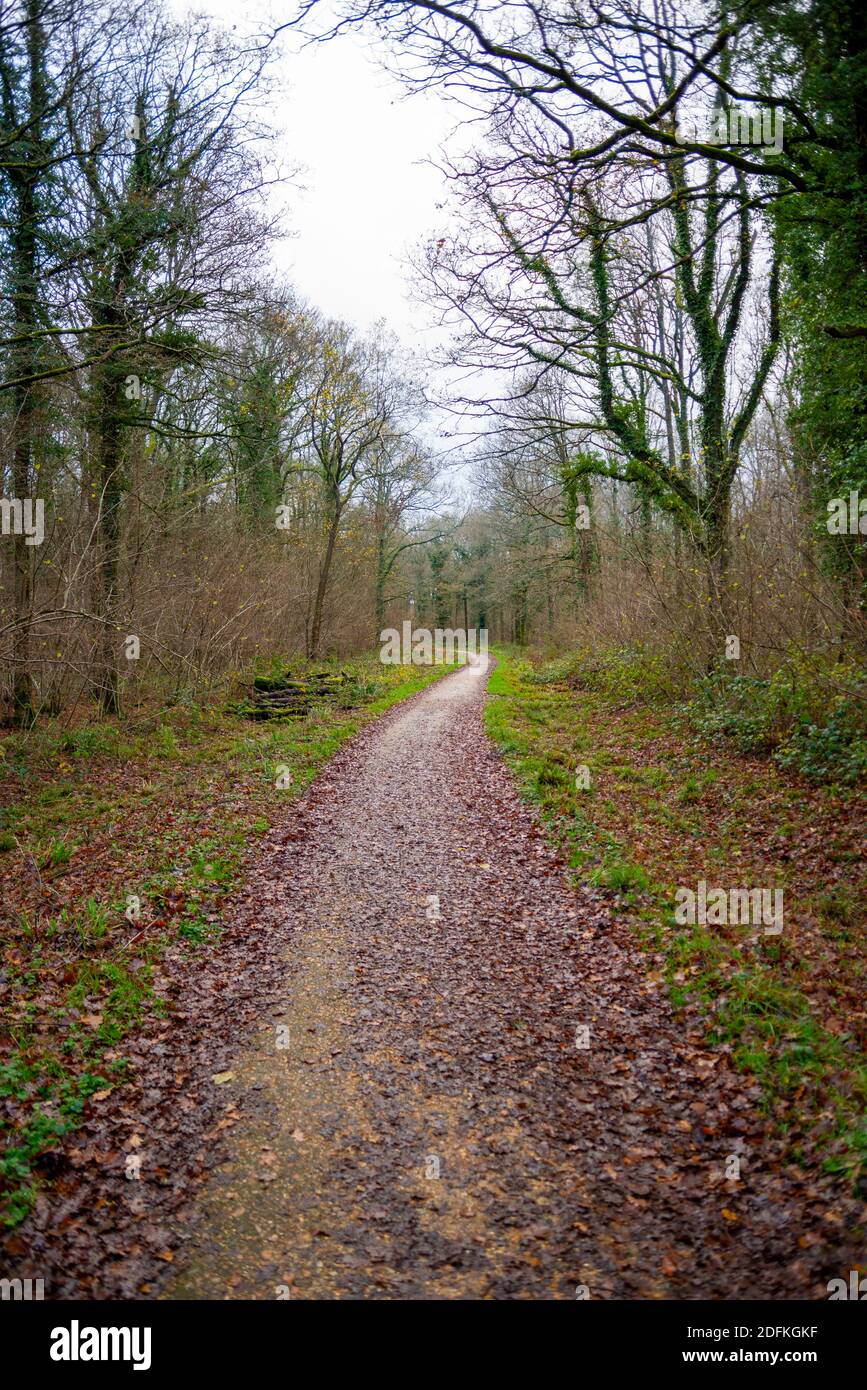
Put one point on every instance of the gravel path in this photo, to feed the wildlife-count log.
(469, 1086)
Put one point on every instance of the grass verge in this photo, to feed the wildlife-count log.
(642, 805)
(117, 839)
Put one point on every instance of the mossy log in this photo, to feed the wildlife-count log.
(285, 695)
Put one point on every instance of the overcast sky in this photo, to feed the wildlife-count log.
(367, 197)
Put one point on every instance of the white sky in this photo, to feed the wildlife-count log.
(367, 196)
(368, 193)
(370, 197)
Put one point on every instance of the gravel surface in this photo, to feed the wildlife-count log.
(422, 1065)
(470, 1087)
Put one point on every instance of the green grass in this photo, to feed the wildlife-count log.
(56, 1105)
(548, 720)
(168, 802)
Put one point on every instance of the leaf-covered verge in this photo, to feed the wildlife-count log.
(162, 807)
(666, 807)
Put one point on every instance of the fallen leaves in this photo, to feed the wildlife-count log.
(475, 1024)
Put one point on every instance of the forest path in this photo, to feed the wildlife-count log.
(426, 1119)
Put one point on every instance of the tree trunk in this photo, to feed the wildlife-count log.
(380, 586)
(322, 586)
(24, 356)
(716, 530)
(109, 490)
(24, 264)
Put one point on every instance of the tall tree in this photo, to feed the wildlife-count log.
(175, 149)
(27, 136)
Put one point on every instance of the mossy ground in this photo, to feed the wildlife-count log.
(666, 807)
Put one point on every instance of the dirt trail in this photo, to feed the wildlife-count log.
(424, 1116)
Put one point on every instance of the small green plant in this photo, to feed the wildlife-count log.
(95, 924)
(832, 752)
(61, 1101)
(555, 775)
(166, 743)
(196, 928)
(620, 876)
(208, 866)
(80, 743)
(695, 786)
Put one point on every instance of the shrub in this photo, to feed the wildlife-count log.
(630, 673)
(810, 719)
